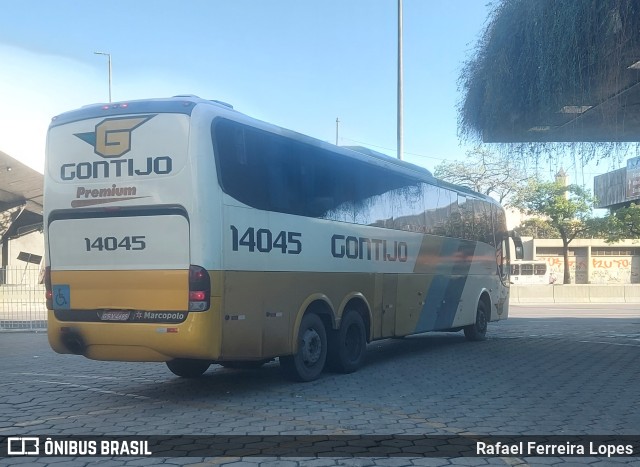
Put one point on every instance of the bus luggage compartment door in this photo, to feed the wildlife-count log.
(122, 261)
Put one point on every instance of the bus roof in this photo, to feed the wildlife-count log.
(176, 104)
(186, 103)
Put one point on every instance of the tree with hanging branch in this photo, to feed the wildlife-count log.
(567, 208)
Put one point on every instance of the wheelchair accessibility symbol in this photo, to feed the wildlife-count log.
(61, 297)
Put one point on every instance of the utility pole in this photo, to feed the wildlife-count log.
(109, 58)
(337, 122)
(400, 82)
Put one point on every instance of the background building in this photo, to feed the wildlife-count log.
(591, 261)
(619, 188)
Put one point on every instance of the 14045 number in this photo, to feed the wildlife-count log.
(264, 241)
(135, 242)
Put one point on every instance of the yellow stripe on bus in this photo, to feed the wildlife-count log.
(158, 290)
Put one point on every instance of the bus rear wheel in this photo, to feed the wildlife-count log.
(308, 362)
(188, 368)
(478, 330)
(347, 345)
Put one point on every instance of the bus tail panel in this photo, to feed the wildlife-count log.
(198, 336)
(157, 290)
(121, 286)
(119, 261)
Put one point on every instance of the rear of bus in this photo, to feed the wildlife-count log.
(126, 275)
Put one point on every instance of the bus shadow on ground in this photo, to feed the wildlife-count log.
(225, 382)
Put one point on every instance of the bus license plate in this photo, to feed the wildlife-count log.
(115, 315)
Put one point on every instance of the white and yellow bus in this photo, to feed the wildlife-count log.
(182, 231)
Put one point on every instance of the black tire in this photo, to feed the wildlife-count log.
(188, 368)
(308, 362)
(348, 345)
(244, 365)
(478, 330)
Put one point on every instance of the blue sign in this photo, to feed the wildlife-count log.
(61, 297)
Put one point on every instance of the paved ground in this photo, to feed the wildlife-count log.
(558, 370)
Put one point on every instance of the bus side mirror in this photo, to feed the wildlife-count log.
(517, 241)
(519, 252)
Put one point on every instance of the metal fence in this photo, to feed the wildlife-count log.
(22, 300)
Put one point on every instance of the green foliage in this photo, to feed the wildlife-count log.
(620, 225)
(537, 228)
(567, 208)
(623, 223)
(597, 227)
(486, 172)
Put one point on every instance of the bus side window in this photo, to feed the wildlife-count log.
(239, 146)
(540, 269)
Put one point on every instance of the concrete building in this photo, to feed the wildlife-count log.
(594, 261)
(591, 261)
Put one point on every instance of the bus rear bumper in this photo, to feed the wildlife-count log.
(197, 337)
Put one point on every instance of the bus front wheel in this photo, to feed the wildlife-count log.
(478, 330)
(308, 362)
(348, 344)
(188, 368)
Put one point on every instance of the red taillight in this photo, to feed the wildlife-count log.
(199, 288)
(115, 106)
(47, 285)
(197, 295)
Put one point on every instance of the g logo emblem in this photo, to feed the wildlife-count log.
(112, 137)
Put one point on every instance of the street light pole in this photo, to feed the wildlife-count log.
(400, 82)
(109, 59)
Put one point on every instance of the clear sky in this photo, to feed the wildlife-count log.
(297, 63)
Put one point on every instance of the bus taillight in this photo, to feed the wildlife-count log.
(47, 285)
(199, 288)
(197, 295)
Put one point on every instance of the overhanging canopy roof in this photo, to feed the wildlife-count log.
(555, 71)
(610, 113)
(20, 187)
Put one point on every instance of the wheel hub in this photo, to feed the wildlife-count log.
(311, 347)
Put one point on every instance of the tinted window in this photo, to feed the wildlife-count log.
(271, 172)
(274, 173)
